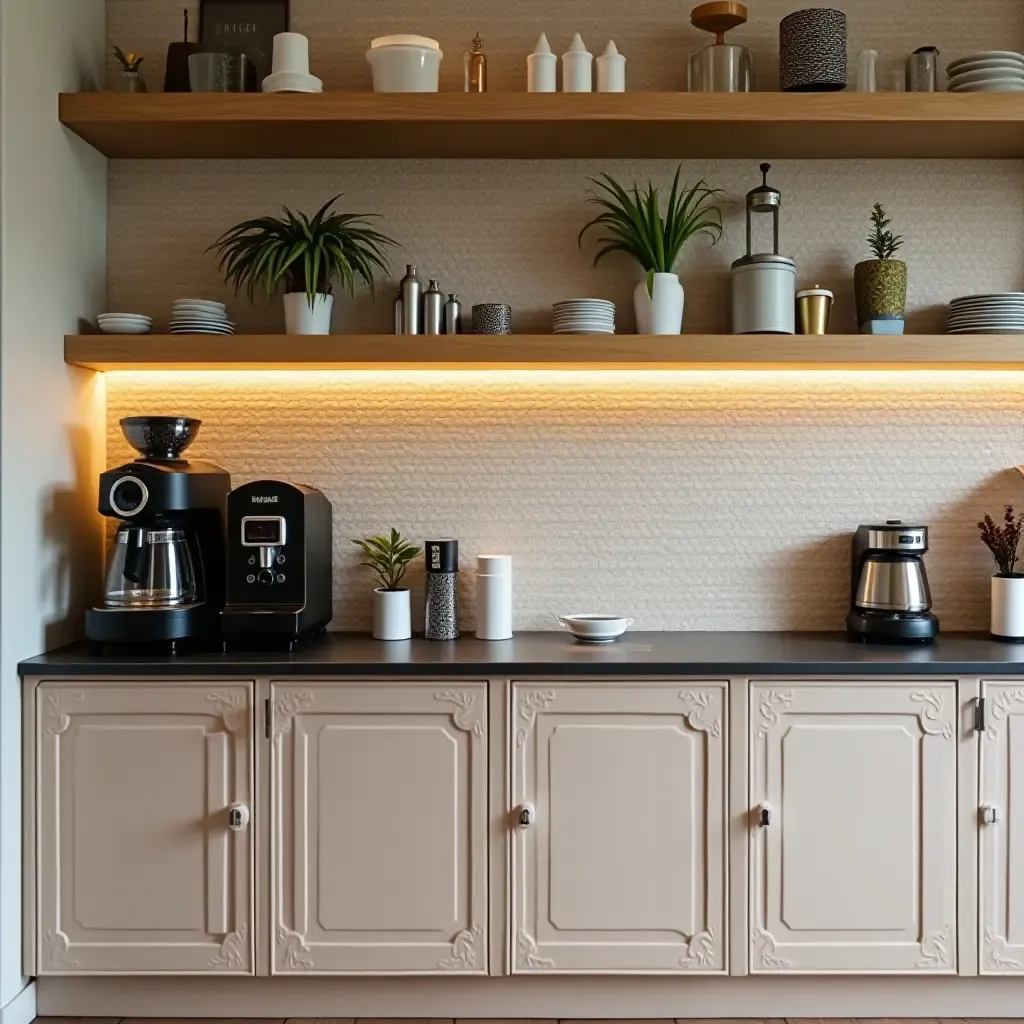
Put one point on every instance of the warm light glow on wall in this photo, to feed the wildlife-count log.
(573, 380)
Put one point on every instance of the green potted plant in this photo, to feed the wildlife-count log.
(880, 284)
(634, 224)
(1007, 621)
(303, 255)
(388, 556)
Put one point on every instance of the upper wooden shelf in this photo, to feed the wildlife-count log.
(543, 352)
(520, 125)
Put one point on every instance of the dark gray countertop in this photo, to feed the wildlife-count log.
(556, 654)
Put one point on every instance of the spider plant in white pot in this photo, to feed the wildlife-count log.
(633, 224)
(303, 255)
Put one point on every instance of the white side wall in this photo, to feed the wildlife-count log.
(53, 209)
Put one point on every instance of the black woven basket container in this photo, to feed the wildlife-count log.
(812, 51)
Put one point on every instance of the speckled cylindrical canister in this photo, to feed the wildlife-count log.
(812, 51)
(492, 318)
(441, 621)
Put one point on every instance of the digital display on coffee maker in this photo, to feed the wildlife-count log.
(263, 531)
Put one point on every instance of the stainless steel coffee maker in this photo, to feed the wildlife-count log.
(890, 599)
(165, 577)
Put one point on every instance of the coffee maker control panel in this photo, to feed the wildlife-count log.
(267, 535)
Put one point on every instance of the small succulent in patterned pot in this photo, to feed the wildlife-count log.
(881, 284)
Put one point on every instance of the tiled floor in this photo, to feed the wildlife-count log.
(464, 1020)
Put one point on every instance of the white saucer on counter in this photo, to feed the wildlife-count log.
(595, 629)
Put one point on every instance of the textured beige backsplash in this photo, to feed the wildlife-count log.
(687, 500)
(690, 501)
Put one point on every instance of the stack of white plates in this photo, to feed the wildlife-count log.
(200, 316)
(992, 71)
(1000, 313)
(584, 316)
(124, 323)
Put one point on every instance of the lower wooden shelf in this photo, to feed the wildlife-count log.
(543, 352)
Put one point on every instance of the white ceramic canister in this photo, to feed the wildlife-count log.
(764, 295)
(1008, 608)
(405, 63)
(494, 597)
(577, 67)
(541, 67)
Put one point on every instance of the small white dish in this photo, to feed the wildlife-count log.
(110, 327)
(292, 81)
(595, 629)
(210, 304)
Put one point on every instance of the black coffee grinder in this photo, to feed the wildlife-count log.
(279, 554)
(165, 576)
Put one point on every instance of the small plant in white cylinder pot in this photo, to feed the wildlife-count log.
(633, 224)
(1007, 584)
(389, 557)
(303, 256)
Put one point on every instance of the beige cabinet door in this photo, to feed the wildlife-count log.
(380, 828)
(618, 850)
(853, 827)
(138, 868)
(1001, 820)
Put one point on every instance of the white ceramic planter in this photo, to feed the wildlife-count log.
(662, 314)
(392, 615)
(1008, 608)
(300, 319)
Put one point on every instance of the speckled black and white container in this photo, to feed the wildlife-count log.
(441, 621)
(812, 51)
(492, 318)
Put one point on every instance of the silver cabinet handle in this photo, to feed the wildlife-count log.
(764, 815)
(238, 817)
(525, 815)
(989, 814)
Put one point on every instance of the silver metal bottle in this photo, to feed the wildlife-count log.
(399, 327)
(453, 315)
(411, 290)
(433, 309)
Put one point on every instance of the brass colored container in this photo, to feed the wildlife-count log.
(476, 67)
(814, 309)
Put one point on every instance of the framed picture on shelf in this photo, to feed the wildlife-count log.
(243, 26)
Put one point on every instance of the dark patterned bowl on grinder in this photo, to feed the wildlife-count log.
(160, 437)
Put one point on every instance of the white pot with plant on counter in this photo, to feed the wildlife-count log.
(303, 256)
(389, 557)
(1007, 584)
(633, 223)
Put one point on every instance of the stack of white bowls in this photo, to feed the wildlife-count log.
(992, 71)
(999, 313)
(200, 316)
(584, 316)
(124, 323)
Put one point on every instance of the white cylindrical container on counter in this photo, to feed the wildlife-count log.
(1008, 608)
(494, 597)
(764, 295)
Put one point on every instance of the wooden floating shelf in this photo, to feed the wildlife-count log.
(756, 125)
(543, 352)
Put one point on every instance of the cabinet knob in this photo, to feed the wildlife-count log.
(525, 815)
(764, 815)
(989, 815)
(238, 817)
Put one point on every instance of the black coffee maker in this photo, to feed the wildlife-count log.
(280, 548)
(165, 575)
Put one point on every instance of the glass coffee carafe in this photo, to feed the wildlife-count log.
(150, 567)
